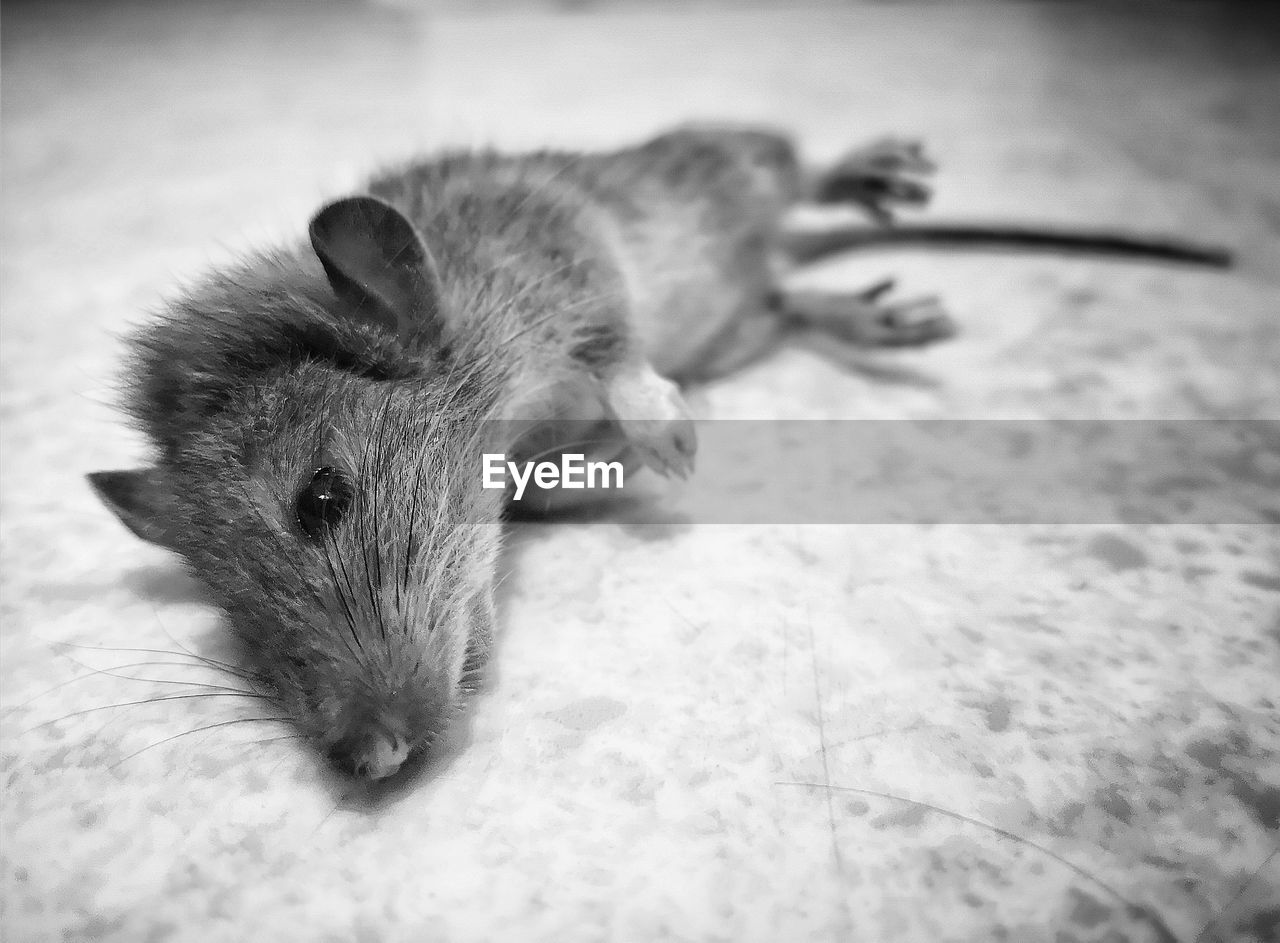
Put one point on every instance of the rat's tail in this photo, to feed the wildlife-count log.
(808, 245)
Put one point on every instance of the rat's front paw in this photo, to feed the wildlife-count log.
(654, 419)
(879, 177)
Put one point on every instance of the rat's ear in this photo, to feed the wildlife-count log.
(139, 498)
(377, 262)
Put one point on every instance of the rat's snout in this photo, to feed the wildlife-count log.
(370, 752)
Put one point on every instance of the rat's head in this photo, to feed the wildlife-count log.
(337, 514)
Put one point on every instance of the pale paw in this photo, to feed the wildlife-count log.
(654, 420)
(668, 446)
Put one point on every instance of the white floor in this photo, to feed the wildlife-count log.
(900, 732)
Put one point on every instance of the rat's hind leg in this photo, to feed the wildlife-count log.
(865, 318)
(878, 177)
(653, 417)
(857, 318)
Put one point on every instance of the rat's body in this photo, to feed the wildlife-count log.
(320, 413)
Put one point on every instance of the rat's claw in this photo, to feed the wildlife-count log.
(912, 323)
(877, 291)
(683, 440)
(668, 446)
(877, 177)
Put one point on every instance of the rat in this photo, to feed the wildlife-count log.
(319, 411)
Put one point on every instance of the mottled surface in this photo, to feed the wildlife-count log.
(956, 732)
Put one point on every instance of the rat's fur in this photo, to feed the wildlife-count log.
(467, 292)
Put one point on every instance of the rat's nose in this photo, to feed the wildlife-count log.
(373, 753)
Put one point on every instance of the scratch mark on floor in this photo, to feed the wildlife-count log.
(822, 746)
(1212, 925)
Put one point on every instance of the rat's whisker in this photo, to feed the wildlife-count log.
(197, 660)
(146, 700)
(369, 475)
(114, 670)
(187, 733)
(342, 590)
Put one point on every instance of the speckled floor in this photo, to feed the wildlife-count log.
(784, 732)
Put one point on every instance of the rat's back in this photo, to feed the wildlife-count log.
(687, 221)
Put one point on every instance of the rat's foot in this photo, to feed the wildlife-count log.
(654, 419)
(865, 319)
(881, 175)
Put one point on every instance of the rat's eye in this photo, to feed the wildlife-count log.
(323, 502)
